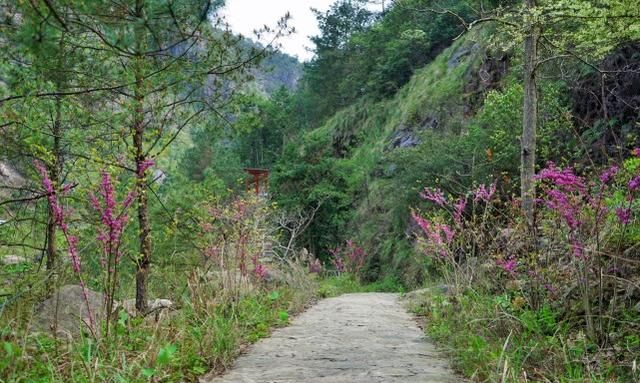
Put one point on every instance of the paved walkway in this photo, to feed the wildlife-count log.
(354, 338)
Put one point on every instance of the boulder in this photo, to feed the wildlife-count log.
(12, 260)
(159, 309)
(67, 313)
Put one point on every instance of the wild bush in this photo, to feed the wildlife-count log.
(575, 272)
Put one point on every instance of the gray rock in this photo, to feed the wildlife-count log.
(404, 139)
(409, 136)
(457, 57)
(154, 305)
(12, 260)
(67, 312)
(9, 176)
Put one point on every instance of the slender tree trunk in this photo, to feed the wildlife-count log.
(54, 174)
(55, 170)
(143, 261)
(529, 121)
(144, 257)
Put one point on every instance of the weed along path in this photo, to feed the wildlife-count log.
(354, 338)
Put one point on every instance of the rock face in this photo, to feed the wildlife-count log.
(355, 338)
(67, 312)
(9, 176)
(408, 136)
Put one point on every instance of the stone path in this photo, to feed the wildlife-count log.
(354, 338)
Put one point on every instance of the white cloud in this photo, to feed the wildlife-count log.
(245, 16)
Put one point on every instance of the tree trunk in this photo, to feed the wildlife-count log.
(529, 122)
(54, 174)
(55, 170)
(143, 260)
(138, 128)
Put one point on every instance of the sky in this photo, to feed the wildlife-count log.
(246, 15)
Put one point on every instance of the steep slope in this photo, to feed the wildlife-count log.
(366, 165)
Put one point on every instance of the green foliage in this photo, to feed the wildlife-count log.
(360, 54)
(187, 347)
(491, 338)
(347, 284)
(308, 176)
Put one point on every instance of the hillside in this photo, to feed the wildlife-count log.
(383, 152)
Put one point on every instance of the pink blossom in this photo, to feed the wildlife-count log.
(634, 184)
(66, 188)
(448, 233)
(259, 270)
(559, 201)
(509, 266)
(624, 215)
(435, 237)
(423, 223)
(113, 222)
(207, 227)
(565, 178)
(54, 206)
(59, 219)
(458, 210)
(434, 195)
(609, 174)
(128, 199)
(577, 248)
(144, 165)
(349, 259)
(636, 152)
(72, 240)
(337, 260)
(482, 193)
(240, 208)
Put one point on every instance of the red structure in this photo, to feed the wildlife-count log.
(259, 178)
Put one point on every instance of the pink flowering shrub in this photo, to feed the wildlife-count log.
(232, 237)
(259, 270)
(113, 221)
(59, 215)
(444, 235)
(580, 248)
(589, 215)
(349, 258)
(434, 195)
